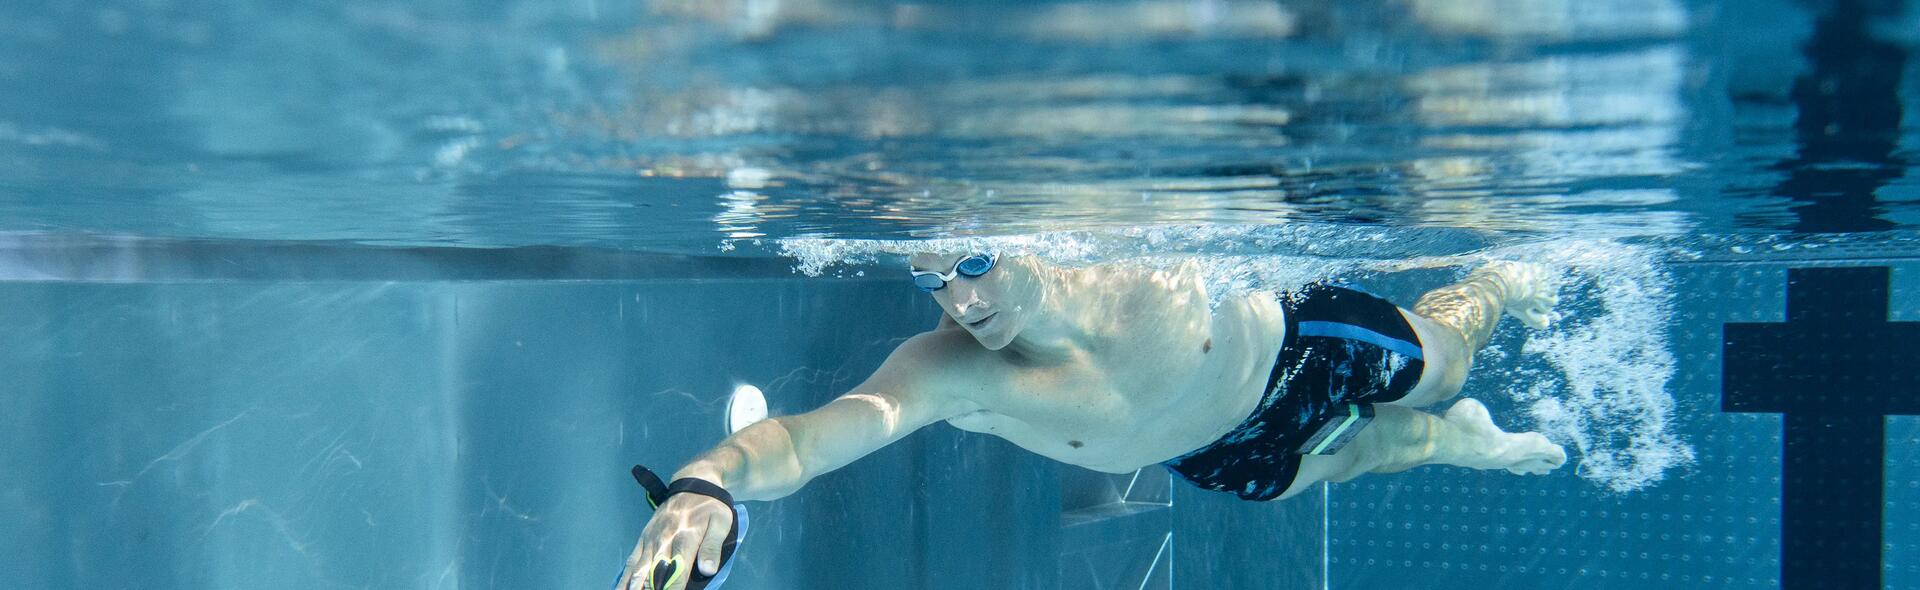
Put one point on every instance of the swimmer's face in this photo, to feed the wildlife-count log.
(993, 306)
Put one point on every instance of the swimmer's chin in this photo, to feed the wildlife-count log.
(995, 344)
(992, 337)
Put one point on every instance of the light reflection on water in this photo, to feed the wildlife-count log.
(678, 126)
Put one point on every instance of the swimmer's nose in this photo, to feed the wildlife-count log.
(962, 304)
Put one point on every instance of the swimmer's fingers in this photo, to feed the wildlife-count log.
(641, 563)
(673, 569)
(631, 573)
(715, 535)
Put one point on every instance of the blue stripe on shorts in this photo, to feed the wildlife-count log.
(1353, 332)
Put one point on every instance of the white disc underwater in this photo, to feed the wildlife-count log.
(747, 406)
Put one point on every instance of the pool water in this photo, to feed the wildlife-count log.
(356, 295)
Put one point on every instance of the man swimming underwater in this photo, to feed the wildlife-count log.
(1114, 368)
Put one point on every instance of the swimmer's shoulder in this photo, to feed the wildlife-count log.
(945, 362)
(946, 339)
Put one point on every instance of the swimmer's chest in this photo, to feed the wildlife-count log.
(1131, 410)
(1093, 447)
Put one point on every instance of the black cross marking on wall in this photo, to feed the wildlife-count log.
(1836, 369)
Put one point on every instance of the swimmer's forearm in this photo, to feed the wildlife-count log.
(757, 463)
(774, 457)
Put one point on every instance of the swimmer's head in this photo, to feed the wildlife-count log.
(991, 297)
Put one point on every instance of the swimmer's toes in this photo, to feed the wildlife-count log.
(1536, 311)
(1536, 318)
(1535, 455)
(1532, 468)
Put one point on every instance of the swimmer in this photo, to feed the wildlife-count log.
(1115, 368)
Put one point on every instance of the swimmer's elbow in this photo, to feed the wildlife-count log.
(812, 449)
(778, 470)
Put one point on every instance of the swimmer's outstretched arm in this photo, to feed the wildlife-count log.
(775, 457)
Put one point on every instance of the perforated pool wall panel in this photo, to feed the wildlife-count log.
(1715, 523)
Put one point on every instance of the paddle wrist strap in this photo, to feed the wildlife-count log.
(658, 491)
(700, 487)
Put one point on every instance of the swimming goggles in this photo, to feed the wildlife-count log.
(971, 266)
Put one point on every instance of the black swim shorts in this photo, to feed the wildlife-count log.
(1343, 349)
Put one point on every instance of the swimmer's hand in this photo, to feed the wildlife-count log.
(686, 532)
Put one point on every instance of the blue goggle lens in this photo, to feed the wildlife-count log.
(929, 283)
(975, 265)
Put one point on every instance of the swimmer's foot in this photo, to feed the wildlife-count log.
(1532, 290)
(1488, 447)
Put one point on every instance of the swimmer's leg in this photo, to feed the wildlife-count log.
(1403, 438)
(1457, 320)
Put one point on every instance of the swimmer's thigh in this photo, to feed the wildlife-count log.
(1447, 361)
(1398, 439)
(1318, 468)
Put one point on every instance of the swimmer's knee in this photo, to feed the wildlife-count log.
(1454, 375)
(1448, 360)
